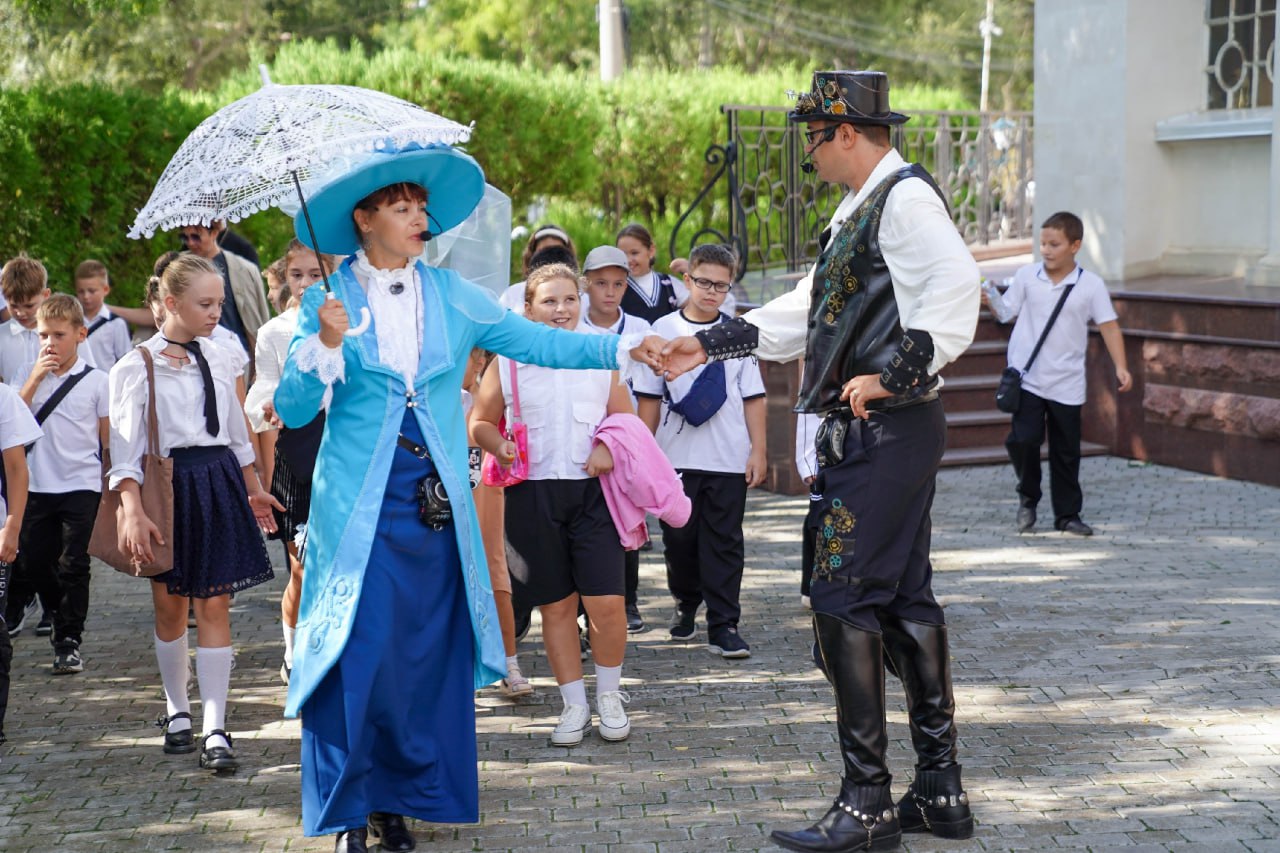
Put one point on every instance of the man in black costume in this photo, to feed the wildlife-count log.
(892, 298)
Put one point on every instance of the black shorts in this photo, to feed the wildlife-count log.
(561, 539)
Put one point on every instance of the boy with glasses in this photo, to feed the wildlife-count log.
(713, 431)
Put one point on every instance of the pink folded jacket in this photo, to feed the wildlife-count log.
(642, 480)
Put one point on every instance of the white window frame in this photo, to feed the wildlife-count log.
(1256, 59)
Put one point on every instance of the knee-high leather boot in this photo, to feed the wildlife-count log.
(936, 801)
(863, 817)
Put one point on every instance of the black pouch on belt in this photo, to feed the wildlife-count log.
(829, 440)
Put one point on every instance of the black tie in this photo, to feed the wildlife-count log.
(210, 394)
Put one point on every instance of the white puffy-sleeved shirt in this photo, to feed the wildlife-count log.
(270, 351)
(179, 407)
(108, 339)
(935, 279)
(1058, 372)
(19, 350)
(67, 459)
(18, 427)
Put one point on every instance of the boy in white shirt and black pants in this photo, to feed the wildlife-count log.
(1053, 389)
(713, 431)
(107, 334)
(70, 402)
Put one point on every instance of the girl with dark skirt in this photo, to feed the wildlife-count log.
(397, 626)
(288, 455)
(219, 504)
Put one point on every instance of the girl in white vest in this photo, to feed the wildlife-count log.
(564, 546)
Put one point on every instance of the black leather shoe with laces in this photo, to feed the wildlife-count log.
(352, 841)
(390, 831)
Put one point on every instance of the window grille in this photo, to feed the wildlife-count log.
(1242, 48)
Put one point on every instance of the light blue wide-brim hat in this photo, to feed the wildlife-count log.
(453, 180)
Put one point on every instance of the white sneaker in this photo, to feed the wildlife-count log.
(515, 684)
(574, 722)
(614, 725)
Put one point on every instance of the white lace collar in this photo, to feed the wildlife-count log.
(384, 279)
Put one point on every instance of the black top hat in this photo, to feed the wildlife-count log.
(857, 97)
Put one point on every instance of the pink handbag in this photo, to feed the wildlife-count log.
(494, 473)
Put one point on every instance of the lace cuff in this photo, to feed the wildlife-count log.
(324, 362)
(628, 368)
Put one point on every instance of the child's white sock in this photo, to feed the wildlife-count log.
(213, 672)
(175, 671)
(574, 693)
(288, 644)
(513, 663)
(608, 678)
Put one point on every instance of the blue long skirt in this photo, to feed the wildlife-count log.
(391, 728)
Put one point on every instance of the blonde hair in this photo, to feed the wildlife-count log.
(174, 273)
(542, 275)
(92, 269)
(61, 307)
(23, 279)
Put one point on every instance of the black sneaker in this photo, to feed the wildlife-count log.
(682, 627)
(45, 627)
(728, 643)
(66, 658)
(635, 622)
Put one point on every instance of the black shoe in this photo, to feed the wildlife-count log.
(220, 759)
(16, 617)
(647, 546)
(635, 622)
(177, 743)
(1026, 518)
(45, 627)
(936, 803)
(66, 658)
(862, 818)
(682, 627)
(390, 831)
(1075, 526)
(727, 642)
(352, 841)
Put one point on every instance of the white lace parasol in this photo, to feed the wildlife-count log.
(244, 158)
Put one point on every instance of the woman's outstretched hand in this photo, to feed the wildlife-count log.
(650, 352)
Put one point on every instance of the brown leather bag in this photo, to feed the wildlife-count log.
(157, 500)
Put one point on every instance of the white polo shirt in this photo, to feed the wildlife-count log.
(67, 459)
(18, 427)
(722, 444)
(110, 340)
(1058, 373)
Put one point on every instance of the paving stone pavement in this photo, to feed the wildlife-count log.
(1119, 691)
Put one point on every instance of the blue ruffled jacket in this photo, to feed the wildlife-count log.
(360, 438)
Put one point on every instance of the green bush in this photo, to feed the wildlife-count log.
(80, 160)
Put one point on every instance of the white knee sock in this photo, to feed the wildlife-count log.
(288, 645)
(574, 693)
(608, 678)
(213, 672)
(174, 674)
(513, 664)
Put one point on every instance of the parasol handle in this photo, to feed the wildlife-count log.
(365, 319)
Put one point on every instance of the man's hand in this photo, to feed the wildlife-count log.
(650, 352)
(757, 468)
(334, 323)
(861, 390)
(681, 356)
(1124, 378)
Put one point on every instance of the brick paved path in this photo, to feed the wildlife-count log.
(1118, 691)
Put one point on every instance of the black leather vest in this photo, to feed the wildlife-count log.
(854, 327)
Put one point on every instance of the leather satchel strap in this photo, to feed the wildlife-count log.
(153, 423)
(1057, 309)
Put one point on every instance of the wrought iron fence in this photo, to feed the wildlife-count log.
(773, 212)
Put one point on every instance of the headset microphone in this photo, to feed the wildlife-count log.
(825, 135)
(426, 236)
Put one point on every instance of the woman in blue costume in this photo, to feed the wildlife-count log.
(397, 625)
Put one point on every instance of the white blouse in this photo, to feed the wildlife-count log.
(562, 409)
(269, 354)
(397, 317)
(179, 407)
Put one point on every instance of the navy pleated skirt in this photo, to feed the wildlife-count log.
(217, 549)
(391, 727)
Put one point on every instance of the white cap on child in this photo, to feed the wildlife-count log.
(604, 256)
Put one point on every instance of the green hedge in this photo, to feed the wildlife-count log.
(79, 161)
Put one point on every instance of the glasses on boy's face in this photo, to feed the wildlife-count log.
(711, 284)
